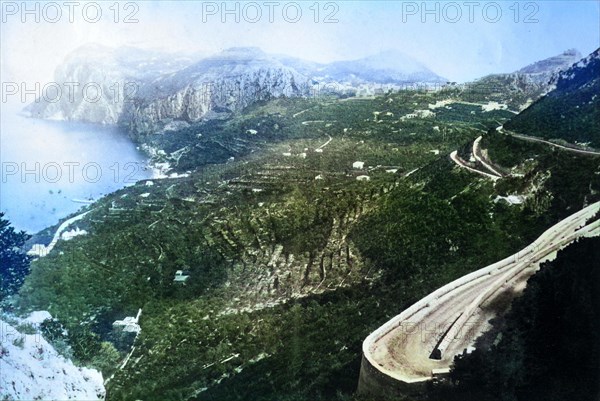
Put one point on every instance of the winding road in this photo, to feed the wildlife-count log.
(456, 159)
(450, 319)
(326, 143)
(46, 250)
(556, 145)
(476, 150)
(493, 173)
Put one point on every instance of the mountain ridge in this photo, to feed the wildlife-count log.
(521, 88)
(167, 89)
(551, 64)
(570, 111)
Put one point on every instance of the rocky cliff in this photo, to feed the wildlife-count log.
(221, 84)
(95, 83)
(146, 91)
(570, 111)
(33, 370)
(521, 88)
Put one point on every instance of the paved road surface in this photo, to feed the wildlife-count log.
(476, 151)
(451, 318)
(534, 139)
(59, 232)
(462, 164)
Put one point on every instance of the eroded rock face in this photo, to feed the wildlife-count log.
(209, 96)
(95, 83)
(146, 91)
(573, 97)
(33, 370)
(521, 88)
(84, 92)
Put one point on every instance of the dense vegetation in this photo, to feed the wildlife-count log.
(376, 130)
(549, 347)
(424, 235)
(14, 264)
(566, 177)
(292, 260)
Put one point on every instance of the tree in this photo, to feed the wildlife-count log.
(14, 264)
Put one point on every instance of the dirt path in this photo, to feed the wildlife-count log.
(301, 112)
(326, 143)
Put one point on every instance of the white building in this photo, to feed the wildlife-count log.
(181, 276)
(358, 165)
(130, 323)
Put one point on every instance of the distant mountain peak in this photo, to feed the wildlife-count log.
(391, 66)
(571, 110)
(394, 59)
(242, 53)
(189, 88)
(553, 64)
(244, 49)
(572, 52)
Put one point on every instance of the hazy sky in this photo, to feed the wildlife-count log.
(468, 40)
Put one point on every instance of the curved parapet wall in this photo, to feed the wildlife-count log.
(373, 382)
(378, 377)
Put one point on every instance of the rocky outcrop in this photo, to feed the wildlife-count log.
(31, 369)
(221, 84)
(266, 272)
(95, 83)
(521, 88)
(147, 91)
(570, 110)
(543, 70)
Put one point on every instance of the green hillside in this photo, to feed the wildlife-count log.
(285, 245)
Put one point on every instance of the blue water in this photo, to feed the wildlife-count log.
(47, 164)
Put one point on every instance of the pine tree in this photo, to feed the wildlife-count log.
(14, 264)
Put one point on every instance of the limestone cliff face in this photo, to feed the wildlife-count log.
(95, 84)
(218, 85)
(146, 91)
(88, 92)
(33, 370)
(571, 108)
(521, 88)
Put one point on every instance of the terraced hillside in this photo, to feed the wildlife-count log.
(422, 344)
(286, 238)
